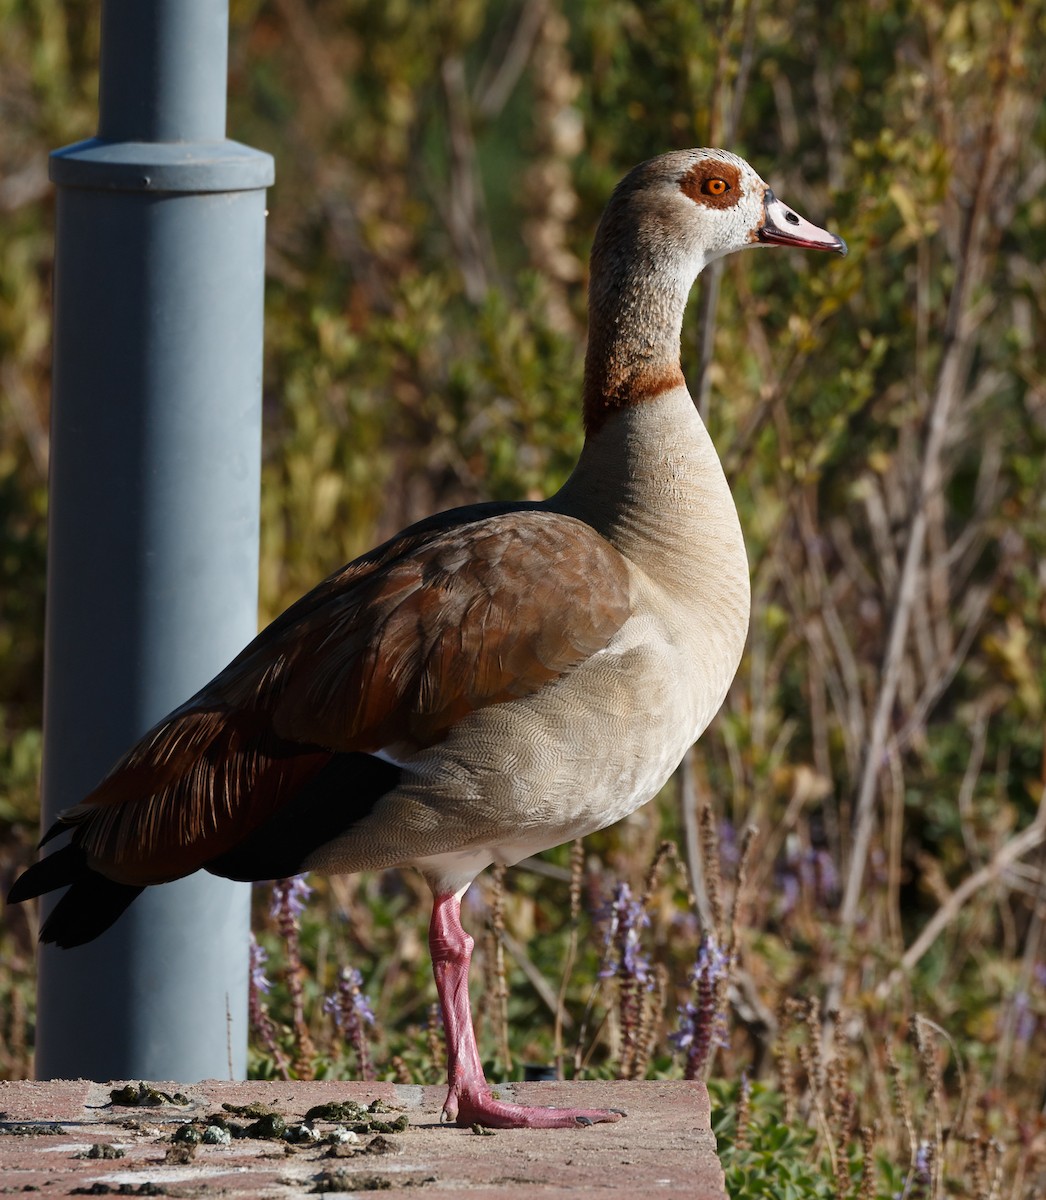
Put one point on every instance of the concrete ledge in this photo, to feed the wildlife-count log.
(664, 1145)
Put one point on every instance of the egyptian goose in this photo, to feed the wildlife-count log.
(492, 681)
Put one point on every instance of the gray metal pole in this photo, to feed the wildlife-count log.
(153, 534)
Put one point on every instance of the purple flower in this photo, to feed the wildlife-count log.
(788, 890)
(729, 848)
(826, 877)
(623, 918)
(351, 1011)
(1026, 1019)
(702, 1022)
(259, 956)
(289, 897)
(924, 1164)
(805, 871)
(347, 1000)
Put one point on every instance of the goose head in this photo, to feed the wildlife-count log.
(667, 220)
(694, 206)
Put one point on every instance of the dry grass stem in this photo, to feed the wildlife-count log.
(497, 982)
(902, 1104)
(577, 869)
(1019, 845)
(741, 878)
(867, 1188)
(437, 1056)
(711, 869)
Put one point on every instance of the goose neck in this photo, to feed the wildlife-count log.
(633, 346)
(649, 480)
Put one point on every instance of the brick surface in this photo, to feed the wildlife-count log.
(663, 1146)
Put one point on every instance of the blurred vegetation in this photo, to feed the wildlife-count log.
(440, 170)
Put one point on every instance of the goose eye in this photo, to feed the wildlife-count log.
(715, 186)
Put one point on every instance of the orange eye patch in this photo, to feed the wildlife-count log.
(713, 183)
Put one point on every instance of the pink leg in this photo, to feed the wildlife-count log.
(469, 1098)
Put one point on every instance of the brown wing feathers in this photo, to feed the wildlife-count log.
(477, 615)
(191, 802)
(393, 650)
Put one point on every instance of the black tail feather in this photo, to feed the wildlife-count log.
(88, 908)
(56, 870)
(342, 793)
(57, 827)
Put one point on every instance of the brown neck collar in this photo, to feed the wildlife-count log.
(608, 390)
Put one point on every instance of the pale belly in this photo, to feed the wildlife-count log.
(527, 775)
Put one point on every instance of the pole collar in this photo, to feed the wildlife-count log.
(182, 167)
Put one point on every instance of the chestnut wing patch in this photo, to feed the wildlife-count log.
(469, 609)
(471, 616)
(192, 789)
